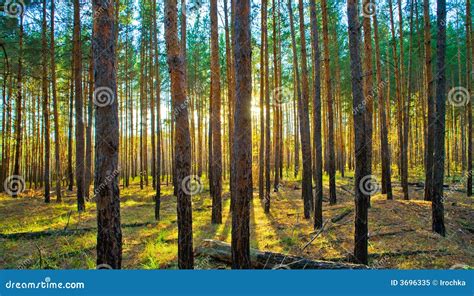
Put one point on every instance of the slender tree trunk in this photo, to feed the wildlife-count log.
(317, 143)
(79, 106)
(57, 136)
(242, 142)
(470, 76)
(277, 101)
(18, 136)
(109, 233)
(216, 162)
(431, 104)
(47, 150)
(368, 86)
(70, 173)
(158, 119)
(437, 206)
(261, 158)
(88, 171)
(330, 147)
(182, 137)
(360, 130)
(384, 145)
(267, 111)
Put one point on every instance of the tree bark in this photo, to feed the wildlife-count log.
(384, 145)
(437, 206)
(79, 109)
(360, 130)
(109, 233)
(44, 91)
(57, 136)
(242, 142)
(182, 143)
(317, 143)
(216, 119)
(429, 143)
(330, 147)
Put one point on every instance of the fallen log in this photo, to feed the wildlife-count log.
(221, 251)
(389, 233)
(62, 232)
(349, 257)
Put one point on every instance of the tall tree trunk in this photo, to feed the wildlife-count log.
(242, 142)
(18, 136)
(158, 118)
(79, 106)
(267, 111)
(44, 91)
(57, 136)
(470, 76)
(88, 170)
(182, 137)
(437, 205)
(230, 88)
(303, 109)
(360, 130)
(277, 101)
(384, 145)
(261, 157)
(70, 173)
(368, 87)
(429, 144)
(216, 163)
(317, 143)
(109, 233)
(330, 147)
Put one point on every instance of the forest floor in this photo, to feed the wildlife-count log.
(399, 231)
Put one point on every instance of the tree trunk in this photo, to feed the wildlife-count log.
(318, 160)
(261, 157)
(368, 87)
(330, 147)
(470, 76)
(44, 91)
(384, 145)
(57, 155)
(109, 233)
(431, 104)
(18, 136)
(437, 206)
(182, 138)
(242, 142)
(79, 106)
(360, 132)
(216, 163)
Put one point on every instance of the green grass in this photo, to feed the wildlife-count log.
(284, 229)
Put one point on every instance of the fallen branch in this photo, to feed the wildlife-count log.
(39, 234)
(389, 233)
(221, 251)
(393, 254)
